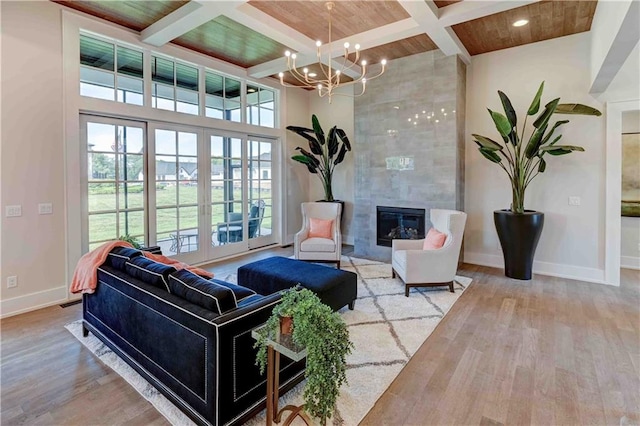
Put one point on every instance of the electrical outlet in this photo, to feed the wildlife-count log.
(13, 211)
(45, 208)
(12, 281)
(574, 200)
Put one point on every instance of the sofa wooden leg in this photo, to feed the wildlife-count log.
(406, 291)
(393, 273)
(85, 331)
(338, 264)
(451, 287)
(352, 305)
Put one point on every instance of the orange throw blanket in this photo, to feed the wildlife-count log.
(85, 277)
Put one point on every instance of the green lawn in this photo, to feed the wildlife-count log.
(102, 226)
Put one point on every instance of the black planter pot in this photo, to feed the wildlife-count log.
(519, 235)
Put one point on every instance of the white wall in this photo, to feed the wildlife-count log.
(337, 113)
(33, 161)
(630, 226)
(572, 242)
(297, 176)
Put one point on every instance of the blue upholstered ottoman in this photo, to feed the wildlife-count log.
(334, 287)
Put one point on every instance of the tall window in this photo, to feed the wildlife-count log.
(109, 71)
(115, 182)
(175, 86)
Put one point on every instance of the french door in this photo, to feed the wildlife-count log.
(199, 194)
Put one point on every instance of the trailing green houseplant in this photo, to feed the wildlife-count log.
(523, 159)
(325, 336)
(324, 153)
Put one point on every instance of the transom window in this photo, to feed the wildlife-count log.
(110, 71)
(175, 86)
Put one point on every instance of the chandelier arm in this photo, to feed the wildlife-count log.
(296, 74)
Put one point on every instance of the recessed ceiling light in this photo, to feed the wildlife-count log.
(396, 107)
(520, 23)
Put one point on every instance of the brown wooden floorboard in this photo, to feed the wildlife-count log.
(547, 351)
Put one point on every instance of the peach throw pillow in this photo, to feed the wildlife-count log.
(320, 228)
(434, 240)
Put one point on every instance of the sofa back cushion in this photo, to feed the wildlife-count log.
(154, 273)
(239, 293)
(202, 292)
(119, 256)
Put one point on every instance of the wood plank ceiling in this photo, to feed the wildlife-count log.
(136, 15)
(230, 41)
(235, 41)
(547, 19)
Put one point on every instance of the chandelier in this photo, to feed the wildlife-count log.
(329, 78)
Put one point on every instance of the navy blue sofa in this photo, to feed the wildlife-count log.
(203, 361)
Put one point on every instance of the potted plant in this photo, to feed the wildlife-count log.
(325, 336)
(324, 153)
(522, 160)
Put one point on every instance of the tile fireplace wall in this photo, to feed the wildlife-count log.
(392, 130)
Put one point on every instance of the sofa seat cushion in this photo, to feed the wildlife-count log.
(400, 259)
(119, 256)
(197, 290)
(154, 273)
(317, 244)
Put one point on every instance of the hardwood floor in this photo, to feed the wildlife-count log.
(547, 351)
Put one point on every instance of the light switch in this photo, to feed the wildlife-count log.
(574, 200)
(45, 208)
(13, 211)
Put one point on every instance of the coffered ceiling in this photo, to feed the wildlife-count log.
(254, 34)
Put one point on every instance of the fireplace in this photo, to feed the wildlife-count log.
(399, 223)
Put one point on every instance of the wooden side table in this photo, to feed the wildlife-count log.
(276, 345)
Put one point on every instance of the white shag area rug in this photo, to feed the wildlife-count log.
(386, 328)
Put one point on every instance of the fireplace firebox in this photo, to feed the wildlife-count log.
(399, 223)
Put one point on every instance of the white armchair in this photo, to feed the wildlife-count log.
(318, 249)
(430, 268)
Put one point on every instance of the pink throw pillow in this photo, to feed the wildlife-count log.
(320, 228)
(434, 240)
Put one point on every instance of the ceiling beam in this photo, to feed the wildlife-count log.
(623, 44)
(472, 9)
(378, 36)
(185, 19)
(425, 14)
(269, 26)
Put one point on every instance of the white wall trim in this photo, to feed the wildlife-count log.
(630, 262)
(613, 188)
(579, 273)
(33, 301)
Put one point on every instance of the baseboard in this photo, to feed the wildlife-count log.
(630, 262)
(579, 273)
(33, 301)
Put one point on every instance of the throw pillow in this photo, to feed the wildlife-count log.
(154, 273)
(434, 240)
(204, 293)
(320, 228)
